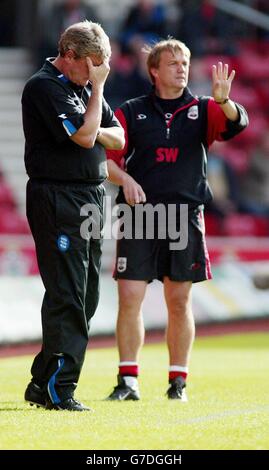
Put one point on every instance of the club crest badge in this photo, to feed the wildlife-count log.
(193, 112)
(121, 264)
(63, 243)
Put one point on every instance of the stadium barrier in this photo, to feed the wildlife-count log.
(231, 295)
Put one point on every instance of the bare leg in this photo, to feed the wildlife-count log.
(180, 329)
(130, 328)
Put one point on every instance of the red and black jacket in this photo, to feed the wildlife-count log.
(168, 157)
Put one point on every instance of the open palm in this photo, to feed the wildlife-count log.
(221, 81)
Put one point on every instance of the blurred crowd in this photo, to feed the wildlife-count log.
(238, 171)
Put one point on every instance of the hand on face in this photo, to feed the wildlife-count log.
(98, 72)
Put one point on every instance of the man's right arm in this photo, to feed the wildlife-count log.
(133, 192)
(87, 133)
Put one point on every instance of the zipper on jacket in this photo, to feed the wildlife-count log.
(159, 109)
(174, 114)
(168, 132)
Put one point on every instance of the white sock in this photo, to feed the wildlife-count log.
(131, 381)
(179, 369)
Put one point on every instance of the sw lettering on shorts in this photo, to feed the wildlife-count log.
(167, 154)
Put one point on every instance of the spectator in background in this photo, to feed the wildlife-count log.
(56, 20)
(223, 182)
(7, 24)
(146, 20)
(263, 7)
(254, 187)
(127, 77)
(206, 28)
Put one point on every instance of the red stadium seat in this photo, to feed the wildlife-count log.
(6, 196)
(12, 222)
(253, 66)
(30, 254)
(245, 225)
(246, 95)
(212, 225)
(263, 93)
(237, 157)
(258, 125)
(210, 60)
(260, 47)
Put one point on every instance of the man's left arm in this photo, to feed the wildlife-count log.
(112, 138)
(221, 87)
(110, 133)
(225, 117)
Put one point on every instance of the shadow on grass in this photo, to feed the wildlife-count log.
(17, 406)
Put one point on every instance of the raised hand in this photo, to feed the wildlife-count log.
(221, 81)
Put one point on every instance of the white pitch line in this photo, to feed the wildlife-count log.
(224, 414)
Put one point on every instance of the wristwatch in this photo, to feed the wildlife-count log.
(223, 102)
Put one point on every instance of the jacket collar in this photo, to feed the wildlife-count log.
(186, 97)
(51, 69)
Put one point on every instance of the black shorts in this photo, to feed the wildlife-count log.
(148, 259)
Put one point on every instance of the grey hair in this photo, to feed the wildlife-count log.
(85, 38)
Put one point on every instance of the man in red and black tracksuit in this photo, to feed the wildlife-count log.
(167, 134)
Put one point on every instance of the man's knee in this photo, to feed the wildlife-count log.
(179, 304)
(131, 295)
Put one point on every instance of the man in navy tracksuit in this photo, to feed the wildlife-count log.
(67, 125)
(167, 135)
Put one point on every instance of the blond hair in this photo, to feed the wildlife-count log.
(154, 52)
(85, 38)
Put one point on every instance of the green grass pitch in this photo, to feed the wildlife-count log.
(228, 406)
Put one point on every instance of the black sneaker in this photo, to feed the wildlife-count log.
(70, 404)
(35, 396)
(123, 392)
(176, 391)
